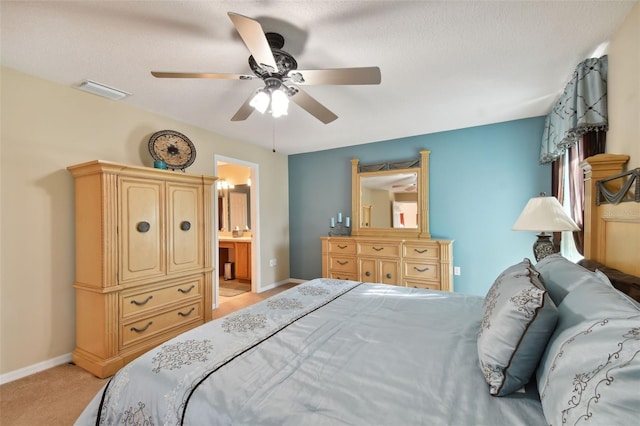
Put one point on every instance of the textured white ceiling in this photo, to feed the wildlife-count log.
(445, 65)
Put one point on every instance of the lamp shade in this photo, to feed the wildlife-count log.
(260, 101)
(544, 214)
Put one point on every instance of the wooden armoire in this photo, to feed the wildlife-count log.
(144, 260)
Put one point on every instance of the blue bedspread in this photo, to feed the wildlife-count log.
(325, 352)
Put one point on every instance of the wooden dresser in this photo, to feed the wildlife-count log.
(388, 241)
(425, 263)
(144, 261)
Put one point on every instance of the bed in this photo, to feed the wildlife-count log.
(551, 343)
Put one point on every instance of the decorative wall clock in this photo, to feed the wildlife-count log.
(172, 147)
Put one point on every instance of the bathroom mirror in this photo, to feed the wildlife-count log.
(391, 198)
(234, 208)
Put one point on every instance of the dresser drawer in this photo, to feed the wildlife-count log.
(343, 275)
(421, 251)
(342, 264)
(421, 270)
(135, 301)
(379, 249)
(430, 285)
(342, 246)
(148, 327)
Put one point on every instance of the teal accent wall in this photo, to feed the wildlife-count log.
(480, 180)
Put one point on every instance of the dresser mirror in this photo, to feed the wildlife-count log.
(391, 198)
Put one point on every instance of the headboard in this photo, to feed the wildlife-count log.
(612, 231)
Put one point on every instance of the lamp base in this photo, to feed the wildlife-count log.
(543, 246)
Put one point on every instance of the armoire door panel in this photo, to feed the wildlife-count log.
(141, 225)
(185, 210)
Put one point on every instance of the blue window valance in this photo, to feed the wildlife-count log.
(582, 108)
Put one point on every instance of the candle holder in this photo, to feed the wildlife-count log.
(341, 228)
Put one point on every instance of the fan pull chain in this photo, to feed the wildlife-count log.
(273, 137)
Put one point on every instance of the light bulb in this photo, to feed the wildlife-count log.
(260, 101)
(279, 103)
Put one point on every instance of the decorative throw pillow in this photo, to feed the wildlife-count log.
(519, 317)
(561, 276)
(587, 303)
(593, 374)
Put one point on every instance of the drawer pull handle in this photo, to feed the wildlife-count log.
(182, 314)
(187, 290)
(341, 247)
(143, 226)
(342, 263)
(185, 225)
(389, 276)
(140, 330)
(421, 270)
(378, 249)
(368, 274)
(421, 251)
(135, 302)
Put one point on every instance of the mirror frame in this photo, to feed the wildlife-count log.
(421, 167)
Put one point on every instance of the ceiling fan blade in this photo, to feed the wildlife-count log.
(245, 109)
(253, 36)
(346, 76)
(162, 74)
(312, 106)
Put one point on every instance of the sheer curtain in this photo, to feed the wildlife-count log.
(568, 187)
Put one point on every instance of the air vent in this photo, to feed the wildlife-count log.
(103, 90)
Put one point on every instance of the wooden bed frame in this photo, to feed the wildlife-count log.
(612, 231)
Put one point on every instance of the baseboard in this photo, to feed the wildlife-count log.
(35, 368)
(279, 283)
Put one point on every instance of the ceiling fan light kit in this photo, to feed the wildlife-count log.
(261, 101)
(271, 95)
(279, 70)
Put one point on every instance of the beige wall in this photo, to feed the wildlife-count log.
(47, 127)
(623, 136)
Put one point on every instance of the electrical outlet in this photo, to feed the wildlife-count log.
(456, 270)
(273, 262)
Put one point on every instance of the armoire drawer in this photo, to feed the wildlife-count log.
(146, 328)
(136, 301)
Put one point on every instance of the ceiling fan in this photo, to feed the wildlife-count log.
(281, 76)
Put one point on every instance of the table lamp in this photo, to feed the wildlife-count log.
(544, 214)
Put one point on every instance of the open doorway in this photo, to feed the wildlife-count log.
(236, 241)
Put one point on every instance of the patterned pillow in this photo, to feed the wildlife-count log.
(586, 304)
(519, 317)
(594, 374)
